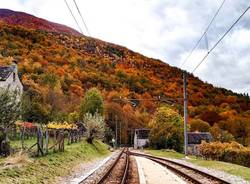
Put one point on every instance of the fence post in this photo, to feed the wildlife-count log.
(46, 140)
(61, 140)
(22, 137)
(39, 141)
(68, 137)
(55, 131)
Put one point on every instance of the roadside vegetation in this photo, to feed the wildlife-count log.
(232, 152)
(47, 169)
(29, 161)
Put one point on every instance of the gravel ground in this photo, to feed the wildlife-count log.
(117, 172)
(220, 174)
(82, 170)
(92, 179)
(133, 176)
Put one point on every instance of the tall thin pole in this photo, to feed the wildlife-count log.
(120, 134)
(131, 137)
(185, 111)
(116, 130)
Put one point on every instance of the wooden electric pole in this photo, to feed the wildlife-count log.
(185, 111)
(115, 130)
(120, 134)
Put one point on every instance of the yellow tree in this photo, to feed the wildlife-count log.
(166, 129)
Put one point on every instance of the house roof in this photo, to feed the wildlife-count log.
(142, 133)
(197, 137)
(5, 72)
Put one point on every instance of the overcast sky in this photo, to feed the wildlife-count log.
(164, 29)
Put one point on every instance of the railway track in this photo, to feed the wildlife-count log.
(120, 174)
(191, 175)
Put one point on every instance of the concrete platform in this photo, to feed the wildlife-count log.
(151, 172)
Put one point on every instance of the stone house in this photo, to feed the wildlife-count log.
(195, 139)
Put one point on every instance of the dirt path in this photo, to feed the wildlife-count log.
(151, 173)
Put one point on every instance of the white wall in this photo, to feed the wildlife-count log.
(138, 143)
(12, 84)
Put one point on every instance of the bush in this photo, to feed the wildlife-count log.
(199, 125)
(95, 126)
(229, 152)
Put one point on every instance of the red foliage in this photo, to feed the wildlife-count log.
(211, 117)
(27, 125)
(29, 21)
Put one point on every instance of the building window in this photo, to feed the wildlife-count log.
(14, 77)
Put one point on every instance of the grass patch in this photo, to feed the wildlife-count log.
(46, 169)
(165, 153)
(233, 169)
(15, 144)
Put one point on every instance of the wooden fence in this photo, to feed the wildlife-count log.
(46, 140)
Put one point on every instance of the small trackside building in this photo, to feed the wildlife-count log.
(141, 138)
(195, 139)
(9, 78)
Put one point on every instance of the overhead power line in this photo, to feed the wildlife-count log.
(204, 34)
(85, 25)
(223, 36)
(73, 16)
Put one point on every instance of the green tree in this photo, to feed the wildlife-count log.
(73, 117)
(199, 125)
(10, 104)
(92, 103)
(33, 111)
(166, 129)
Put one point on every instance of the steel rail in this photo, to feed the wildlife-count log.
(126, 169)
(110, 169)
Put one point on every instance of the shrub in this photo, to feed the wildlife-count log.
(229, 152)
(199, 125)
(95, 126)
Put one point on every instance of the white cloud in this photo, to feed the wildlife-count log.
(163, 29)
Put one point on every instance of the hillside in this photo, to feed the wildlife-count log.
(20, 18)
(57, 69)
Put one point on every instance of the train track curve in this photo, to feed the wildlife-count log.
(190, 174)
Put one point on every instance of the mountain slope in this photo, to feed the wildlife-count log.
(57, 69)
(23, 19)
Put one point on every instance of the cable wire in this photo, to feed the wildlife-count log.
(223, 36)
(73, 16)
(85, 25)
(205, 32)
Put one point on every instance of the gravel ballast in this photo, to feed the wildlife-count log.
(85, 170)
(220, 174)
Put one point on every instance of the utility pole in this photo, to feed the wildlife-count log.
(131, 137)
(115, 130)
(120, 134)
(185, 112)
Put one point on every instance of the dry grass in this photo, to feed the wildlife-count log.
(17, 160)
(48, 168)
